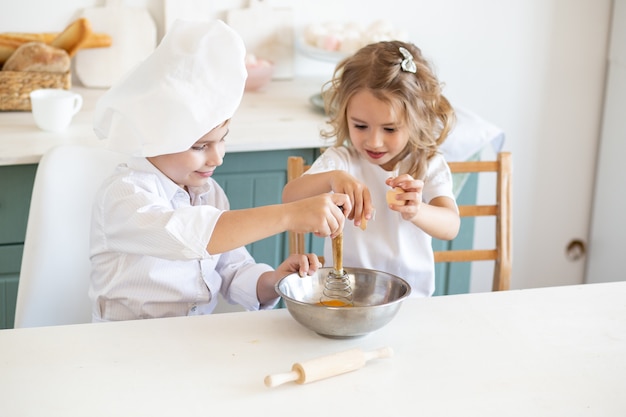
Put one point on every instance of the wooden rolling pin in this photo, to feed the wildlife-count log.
(327, 366)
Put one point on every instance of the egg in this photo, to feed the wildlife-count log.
(391, 196)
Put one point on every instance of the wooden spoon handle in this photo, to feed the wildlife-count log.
(338, 254)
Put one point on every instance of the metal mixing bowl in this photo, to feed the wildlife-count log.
(377, 296)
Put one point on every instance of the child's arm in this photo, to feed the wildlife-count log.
(308, 186)
(323, 215)
(439, 217)
(336, 181)
(301, 264)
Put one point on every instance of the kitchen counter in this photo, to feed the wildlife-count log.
(278, 117)
(557, 351)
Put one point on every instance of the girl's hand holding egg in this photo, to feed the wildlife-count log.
(411, 190)
(391, 196)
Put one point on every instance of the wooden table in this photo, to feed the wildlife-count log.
(543, 352)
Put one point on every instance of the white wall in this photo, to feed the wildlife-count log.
(535, 68)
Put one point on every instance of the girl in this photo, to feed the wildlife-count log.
(388, 118)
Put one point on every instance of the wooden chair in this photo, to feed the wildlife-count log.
(295, 168)
(500, 209)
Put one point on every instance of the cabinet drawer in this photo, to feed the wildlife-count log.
(10, 262)
(16, 186)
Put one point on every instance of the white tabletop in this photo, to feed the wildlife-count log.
(542, 352)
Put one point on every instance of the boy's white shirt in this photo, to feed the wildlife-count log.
(168, 272)
(389, 243)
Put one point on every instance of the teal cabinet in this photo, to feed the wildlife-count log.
(16, 184)
(10, 261)
(253, 179)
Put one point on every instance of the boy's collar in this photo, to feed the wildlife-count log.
(170, 187)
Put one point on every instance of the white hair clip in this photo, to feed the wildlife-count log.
(407, 63)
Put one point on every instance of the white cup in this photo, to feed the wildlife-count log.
(54, 108)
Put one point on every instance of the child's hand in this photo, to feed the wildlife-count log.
(306, 264)
(359, 194)
(300, 264)
(324, 214)
(407, 193)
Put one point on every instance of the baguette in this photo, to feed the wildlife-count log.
(27, 37)
(94, 40)
(73, 37)
(97, 40)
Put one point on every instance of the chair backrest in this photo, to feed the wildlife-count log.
(54, 278)
(295, 168)
(501, 254)
(501, 210)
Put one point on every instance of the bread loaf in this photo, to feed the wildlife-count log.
(10, 41)
(39, 57)
(73, 36)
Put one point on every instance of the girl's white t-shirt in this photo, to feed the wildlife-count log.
(389, 243)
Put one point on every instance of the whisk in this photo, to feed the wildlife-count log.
(337, 289)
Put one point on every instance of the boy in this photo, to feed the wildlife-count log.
(164, 241)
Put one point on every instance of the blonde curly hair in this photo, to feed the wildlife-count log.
(415, 97)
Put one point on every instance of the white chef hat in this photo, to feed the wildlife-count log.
(191, 83)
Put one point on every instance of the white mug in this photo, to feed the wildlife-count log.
(54, 108)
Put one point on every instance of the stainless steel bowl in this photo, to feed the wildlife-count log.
(377, 296)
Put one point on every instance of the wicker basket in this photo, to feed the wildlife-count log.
(15, 86)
